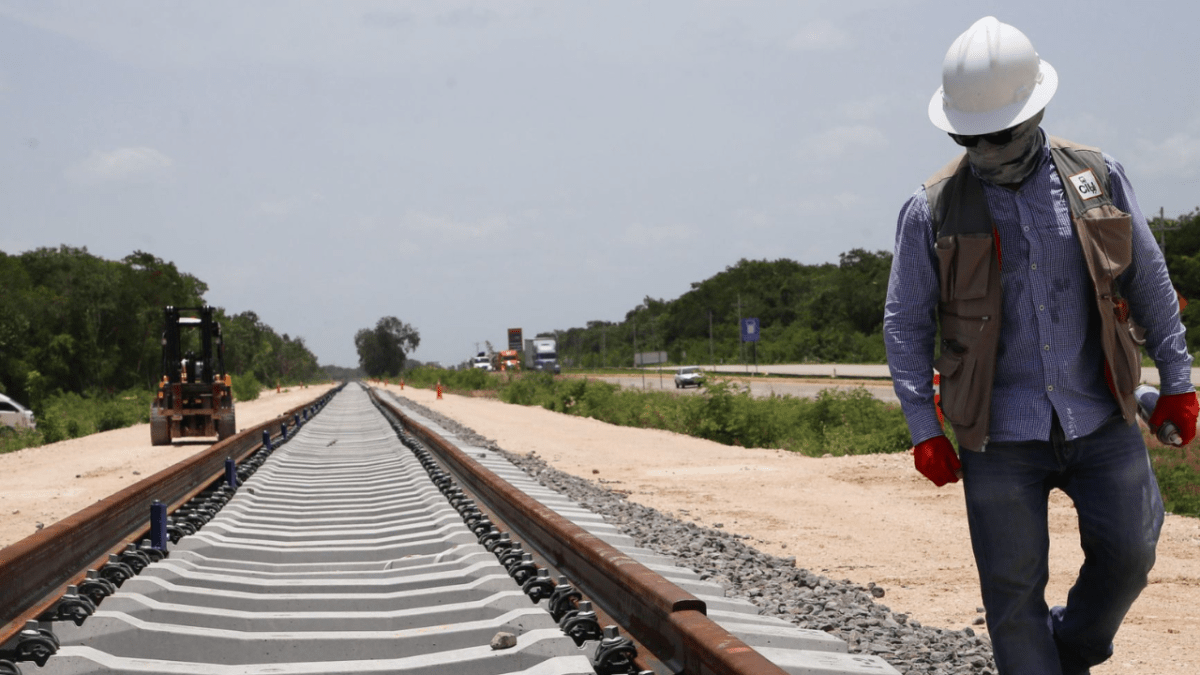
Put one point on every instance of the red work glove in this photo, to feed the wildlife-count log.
(936, 460)
(1180, 410)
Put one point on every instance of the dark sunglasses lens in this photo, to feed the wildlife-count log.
(965, 141)
(996, 138)
(1000, 137)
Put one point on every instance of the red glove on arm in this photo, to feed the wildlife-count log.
(1180, 410)
(936, 460)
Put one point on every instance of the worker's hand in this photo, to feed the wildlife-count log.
(936, 460)
(1180, 410)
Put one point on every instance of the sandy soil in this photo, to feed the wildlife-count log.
(859, 518)
(869, 518)
(46, 484)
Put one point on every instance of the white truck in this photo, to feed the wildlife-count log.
(541, 353)
(481, 361)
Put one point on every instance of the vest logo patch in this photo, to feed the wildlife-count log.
(1086, 185)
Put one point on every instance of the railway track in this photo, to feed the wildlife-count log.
(371, 540)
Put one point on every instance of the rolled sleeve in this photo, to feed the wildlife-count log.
(1152, 299)
(910, 317)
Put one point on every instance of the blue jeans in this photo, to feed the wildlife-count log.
(1107, 475)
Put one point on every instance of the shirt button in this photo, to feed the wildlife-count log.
(1033, 266)
(1026, 228)
(1047, 347)
(1041, 307)
(1049, 387)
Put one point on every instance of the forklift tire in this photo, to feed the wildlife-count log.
(160, 430)
(226, 426)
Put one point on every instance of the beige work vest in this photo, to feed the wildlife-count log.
(969, 271)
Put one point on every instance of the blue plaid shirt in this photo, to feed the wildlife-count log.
(1049, 356)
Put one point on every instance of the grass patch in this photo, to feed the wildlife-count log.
(1178, 473)
(472, 379)
(62, 416)
(837, 422)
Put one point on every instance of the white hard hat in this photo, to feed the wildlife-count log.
(992, 79)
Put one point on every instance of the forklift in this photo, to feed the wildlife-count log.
(195, 397)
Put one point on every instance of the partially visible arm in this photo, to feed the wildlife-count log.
(1152, 299)
(910, 318)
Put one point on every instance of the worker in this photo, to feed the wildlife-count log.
(1029, 260)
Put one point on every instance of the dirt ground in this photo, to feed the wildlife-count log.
(867, 518)
(871, 518)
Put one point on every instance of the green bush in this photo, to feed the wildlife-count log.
(836, 422)
(111, 415)
(245, 387)
(471, 379)
(1178, 473)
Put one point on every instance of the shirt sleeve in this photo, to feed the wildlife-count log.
(1152, 299)
(910, 317)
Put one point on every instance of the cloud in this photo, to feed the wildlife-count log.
(123, 165)
(385, 19)
(819, 36)
(865, 109)
(1177, 155)
(826, 204)
(447, 228)
(280, 208)
(637, 234)
(836, 142)
(467, 17)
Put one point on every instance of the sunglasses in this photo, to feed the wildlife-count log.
(995, 138)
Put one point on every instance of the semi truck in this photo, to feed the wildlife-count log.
(541, 353)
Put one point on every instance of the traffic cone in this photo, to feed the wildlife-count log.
(439, 390)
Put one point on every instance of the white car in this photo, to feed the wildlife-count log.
(482, 363)
(689, 376)
(13, 414)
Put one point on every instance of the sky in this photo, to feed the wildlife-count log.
(471, 167)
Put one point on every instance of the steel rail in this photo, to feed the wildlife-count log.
(37, 569)
(668, 620)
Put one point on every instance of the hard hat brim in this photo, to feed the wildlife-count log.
(975, 124)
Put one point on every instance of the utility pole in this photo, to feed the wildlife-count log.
(635, 356)
(1159, 228)
(654, 328)
(741, 345)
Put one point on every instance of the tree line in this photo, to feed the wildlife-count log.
(72, 322)
(825, 313)
(831, 312)
(1180, 238)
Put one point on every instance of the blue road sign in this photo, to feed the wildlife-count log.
(749, 330)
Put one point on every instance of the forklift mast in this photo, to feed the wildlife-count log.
(209, 363)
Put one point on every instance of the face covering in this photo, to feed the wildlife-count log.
(1012, 162)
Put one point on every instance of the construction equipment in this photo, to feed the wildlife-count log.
(195, 396)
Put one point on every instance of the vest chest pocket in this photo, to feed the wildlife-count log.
(966, 262)
(1107, 243)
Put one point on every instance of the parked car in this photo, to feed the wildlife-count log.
(13, 414)
(689, 376)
